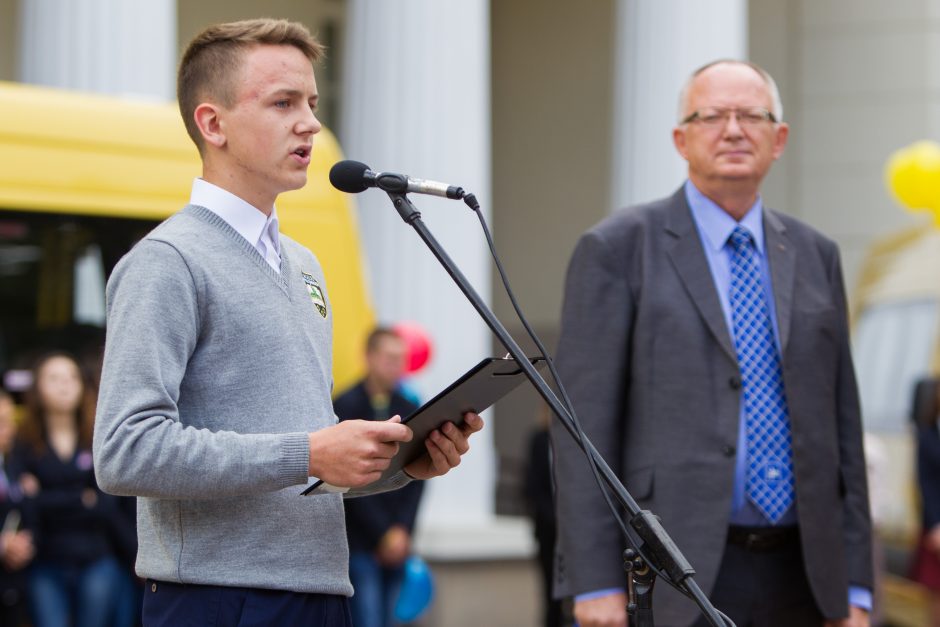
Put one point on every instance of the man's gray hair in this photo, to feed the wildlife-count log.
(777, 105)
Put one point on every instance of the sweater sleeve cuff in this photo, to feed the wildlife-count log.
(295, 458)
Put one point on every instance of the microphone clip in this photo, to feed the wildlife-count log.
(391, 182)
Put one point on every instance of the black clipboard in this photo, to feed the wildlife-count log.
(478, 388)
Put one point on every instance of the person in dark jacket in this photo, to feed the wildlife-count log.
(540, 502)
(379, 527)
(18, 519)
(926, 566)
(76, 577)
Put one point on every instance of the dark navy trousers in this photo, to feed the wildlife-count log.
(184, 605)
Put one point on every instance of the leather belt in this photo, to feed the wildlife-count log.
(763, 539)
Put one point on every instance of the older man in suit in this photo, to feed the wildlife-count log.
(705, 348)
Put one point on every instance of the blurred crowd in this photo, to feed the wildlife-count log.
(67, 549)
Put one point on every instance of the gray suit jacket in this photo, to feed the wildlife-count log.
(649, 363)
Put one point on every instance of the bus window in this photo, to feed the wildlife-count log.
(53, 268)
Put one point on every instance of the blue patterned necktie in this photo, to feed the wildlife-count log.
(769, 465)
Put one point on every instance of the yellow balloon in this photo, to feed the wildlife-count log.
(913, 176)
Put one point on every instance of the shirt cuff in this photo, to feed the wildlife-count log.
(596, 594)
(860, 597)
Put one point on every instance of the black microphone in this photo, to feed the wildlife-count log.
(354, 177)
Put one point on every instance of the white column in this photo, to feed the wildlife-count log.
(658, 44)
(115, 47)
(416, 100)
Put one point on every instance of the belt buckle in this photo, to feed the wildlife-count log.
(753, 542)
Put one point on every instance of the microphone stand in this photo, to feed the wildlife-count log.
(661, 548)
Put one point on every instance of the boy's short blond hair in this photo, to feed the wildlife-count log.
(210, 66)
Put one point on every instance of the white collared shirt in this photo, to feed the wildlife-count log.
(258, 229)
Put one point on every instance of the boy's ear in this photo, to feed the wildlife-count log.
(208, 119)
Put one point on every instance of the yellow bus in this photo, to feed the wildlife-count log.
(83, 177)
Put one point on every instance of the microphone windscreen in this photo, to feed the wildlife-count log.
(349, 176)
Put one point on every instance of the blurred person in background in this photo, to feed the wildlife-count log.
(124, 521)
(379, 527)
(76, 578)
(540, 504)
(17, 516)
(926, 566)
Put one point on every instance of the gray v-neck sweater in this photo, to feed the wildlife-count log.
(216, 367)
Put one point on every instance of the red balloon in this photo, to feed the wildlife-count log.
(418, 344)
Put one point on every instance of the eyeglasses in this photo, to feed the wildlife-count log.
(717, 116)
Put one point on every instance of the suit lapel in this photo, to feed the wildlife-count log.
(685, 252)
(781, 254)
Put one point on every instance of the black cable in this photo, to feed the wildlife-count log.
(471, 202)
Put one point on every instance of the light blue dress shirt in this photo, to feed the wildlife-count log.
(714, 226)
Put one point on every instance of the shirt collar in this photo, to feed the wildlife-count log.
(246, 219)
(716, 224)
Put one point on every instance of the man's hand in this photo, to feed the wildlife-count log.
(857, 618)
(354, 453)
(605, 611)
(444, 447)
(394, 547)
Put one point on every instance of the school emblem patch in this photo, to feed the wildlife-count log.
(316, 294)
